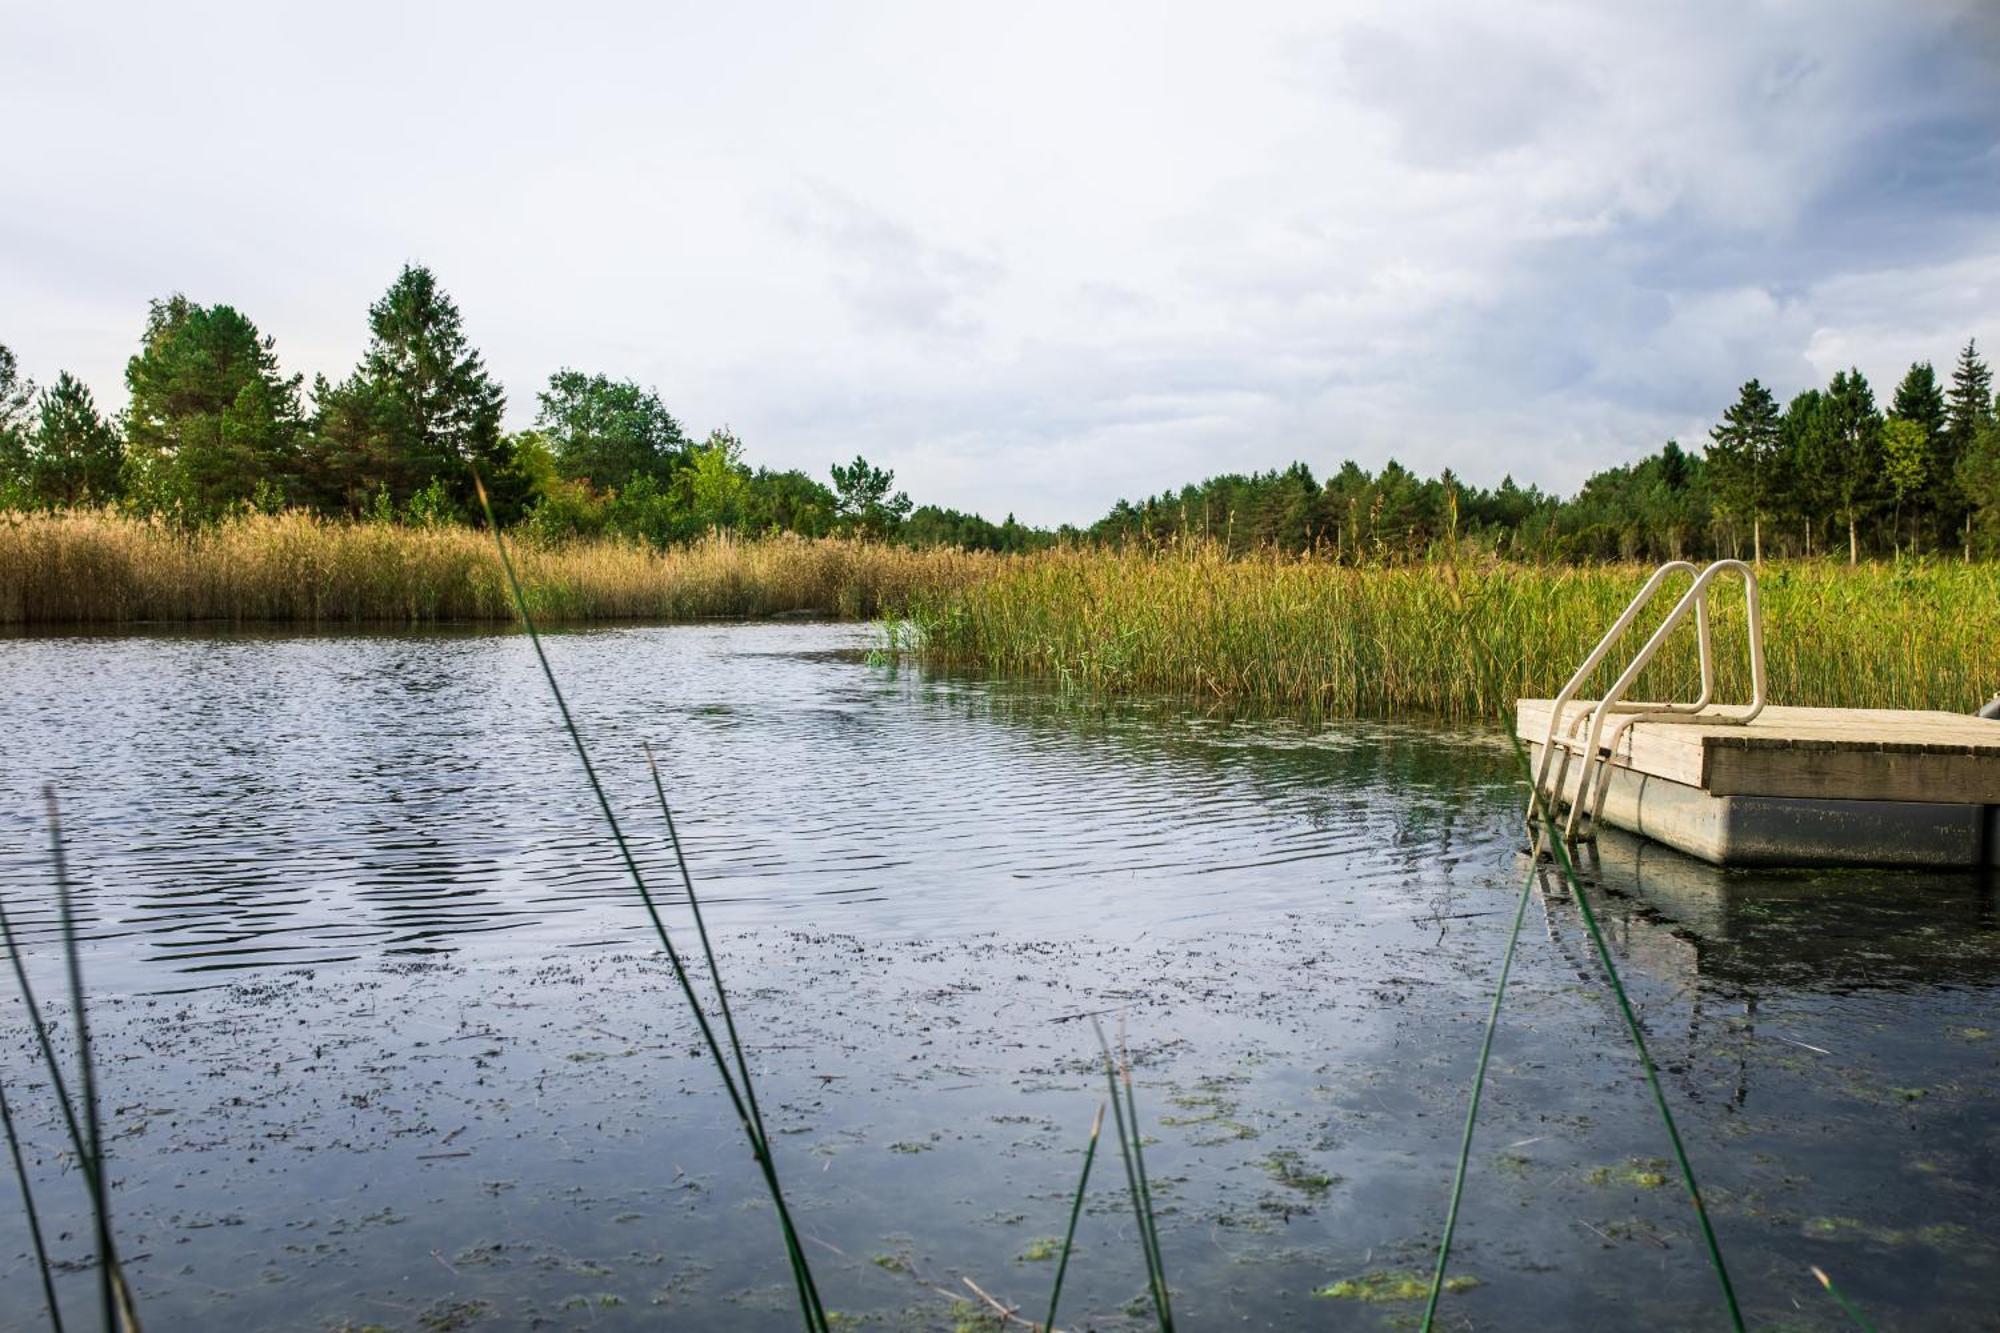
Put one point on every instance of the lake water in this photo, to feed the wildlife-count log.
(385, 1040)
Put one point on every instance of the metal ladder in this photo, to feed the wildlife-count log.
(1586, 737)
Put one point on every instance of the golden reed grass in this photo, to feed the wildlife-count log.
(1456, 640)
(1450, 639)
(100, 567)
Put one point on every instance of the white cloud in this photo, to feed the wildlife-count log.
(1039, 257)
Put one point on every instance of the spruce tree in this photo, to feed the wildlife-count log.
(1968, 407)
(1920, 401)
(212, 423)
(419, 408)
(1804, 443)
(76, 455)
(1854, 462)
(1743, 457)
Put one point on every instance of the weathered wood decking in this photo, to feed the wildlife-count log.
(1805, 785)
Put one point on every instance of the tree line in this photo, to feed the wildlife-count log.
(1829, 473)
(214, 427)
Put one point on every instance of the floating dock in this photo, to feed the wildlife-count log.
(1797, 786)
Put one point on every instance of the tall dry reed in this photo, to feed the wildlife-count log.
(1446, 639)
(103, 567)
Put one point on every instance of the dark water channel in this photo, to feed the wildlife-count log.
(384, 1040)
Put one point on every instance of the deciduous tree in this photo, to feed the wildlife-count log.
(608, 432)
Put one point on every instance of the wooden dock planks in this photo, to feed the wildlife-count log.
(1864, 754)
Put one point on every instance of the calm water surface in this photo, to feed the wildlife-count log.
(385, 1040)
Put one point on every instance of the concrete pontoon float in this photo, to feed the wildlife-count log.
(1756, 784)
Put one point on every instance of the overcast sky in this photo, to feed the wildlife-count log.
(1034, 257)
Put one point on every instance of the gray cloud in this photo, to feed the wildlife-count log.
(1041, 258)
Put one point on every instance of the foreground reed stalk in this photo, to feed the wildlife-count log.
(1472, 1105)
(120, 1311)
(33, 1217)
(1075, 1211)
(1133, 1152)
(809, 1300)
(1638, 1036)
(1846, 1306)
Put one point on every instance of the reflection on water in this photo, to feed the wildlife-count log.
(373, 987)
(293, 801)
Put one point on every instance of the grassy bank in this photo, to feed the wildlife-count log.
(102, 568)
(1450, 640)
(1455, 640)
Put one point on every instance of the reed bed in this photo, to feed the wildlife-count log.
(1448, 639)
(101, 567)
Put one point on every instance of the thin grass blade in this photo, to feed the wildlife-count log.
(1075, 1211)
(1846, 1306)
(809, 1301)
(34, 1218)
(1472, 1107)
(1560, 850)
(1154, 1282)
(100, 1203)
(1145, 1186)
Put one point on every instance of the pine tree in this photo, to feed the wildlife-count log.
(76, 455)
(1968, 407)
(1743, 458)
(212, 423)
(419, 408)
(1854, 461)
(1804, 443)
(1920, 401)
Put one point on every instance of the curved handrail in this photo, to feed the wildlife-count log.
(1696, 597)
(1590, 664)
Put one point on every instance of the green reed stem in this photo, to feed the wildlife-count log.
(801, 1272)
(1472, 1108)
(1847, 1307)
(707, 950)
(809, 1301)
(100, 1203)
(28, 1207)
(1142, 1207)
(1561, 851)
(49, 1061)
(1075, 1211)
(1146, 1193)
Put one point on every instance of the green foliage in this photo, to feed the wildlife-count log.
(717, 483)
(608, 432)
(1852, 458)
(17, 417)
(210, 416)
(1743, 456)
(75, 456)
(865, 505)
(1978, 477)
(419, 408)
(789, 501)
(1906, 462)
